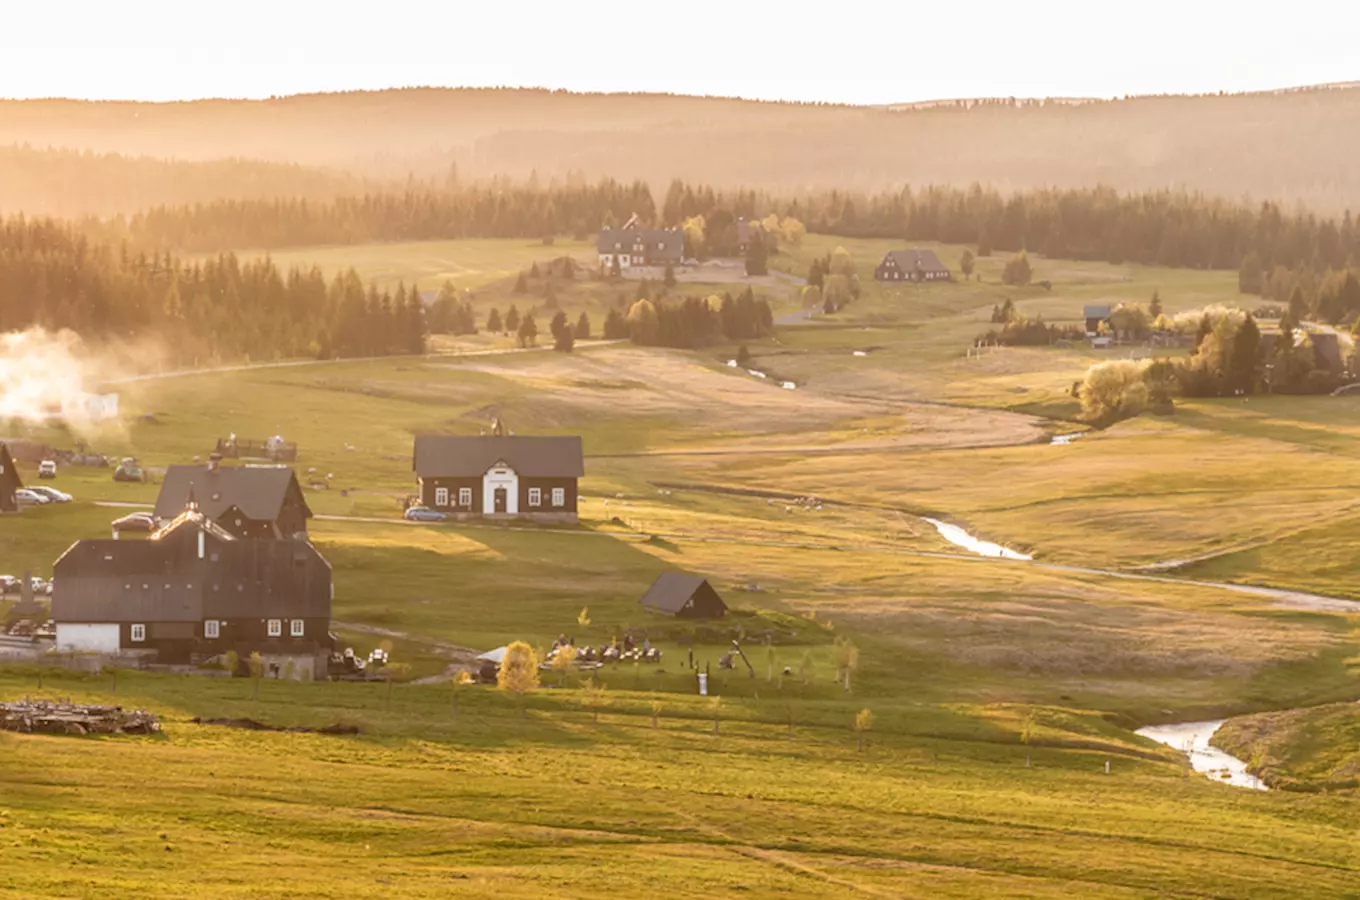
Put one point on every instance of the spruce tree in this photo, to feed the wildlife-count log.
(521, 284)
(583, 327)
(493, 322)
(512, 320)
(527, 331)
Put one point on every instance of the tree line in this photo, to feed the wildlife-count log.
(52, 276)
(1167, 228)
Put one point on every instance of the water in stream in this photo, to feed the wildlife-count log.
(1192, 738)
(960, 538)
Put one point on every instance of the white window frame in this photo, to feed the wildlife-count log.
(559, 496)
(275, 628)
(212, 629)
(465, 497)
(297, 627)
(441, 496)
(535, 496)
(138, 633)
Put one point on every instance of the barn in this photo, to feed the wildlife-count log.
(194, 590)
(9, 481)
(246, 501)
(684, 596)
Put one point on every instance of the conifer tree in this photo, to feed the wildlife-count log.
(493, 321)
(583, 327)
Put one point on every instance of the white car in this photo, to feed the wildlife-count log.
(47, 468)
(27, 497)
(9, 584)
(52, 494)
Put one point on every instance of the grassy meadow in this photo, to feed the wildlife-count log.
(806, 509)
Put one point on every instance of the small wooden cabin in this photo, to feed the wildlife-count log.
(684, 596)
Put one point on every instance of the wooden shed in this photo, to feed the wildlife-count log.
(684, 596)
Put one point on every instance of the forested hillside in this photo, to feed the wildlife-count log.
(1162, 228)
(1288, 147)
(77, 183)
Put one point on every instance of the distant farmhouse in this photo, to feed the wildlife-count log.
(500, 475)
(911, 265)
(9, 481)
(245, 501)
(633, 247)
(192, 591)
(684, 596)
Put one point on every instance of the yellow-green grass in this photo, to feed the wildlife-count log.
(429, 803)
(469, 263)
(931, 627)
(1314, 749)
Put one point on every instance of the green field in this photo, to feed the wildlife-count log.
(805, 507)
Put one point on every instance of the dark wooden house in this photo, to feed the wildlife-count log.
(684, 596)
(912, 266)
(9, 481)
(500, 475)
(632, 247)
(192, 591)
(245, 501)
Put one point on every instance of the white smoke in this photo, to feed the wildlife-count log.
(47, 376)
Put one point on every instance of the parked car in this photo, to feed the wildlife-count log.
(39, 586)
(47, 468)
(138, 521)
(425, 514)
(129, 470)
(52, 494)
(29, 497)
(9, 584)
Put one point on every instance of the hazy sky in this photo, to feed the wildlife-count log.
(850, 51)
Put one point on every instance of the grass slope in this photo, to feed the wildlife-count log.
(804, 507)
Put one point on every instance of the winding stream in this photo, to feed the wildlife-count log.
(1192, 738)
(960, 538)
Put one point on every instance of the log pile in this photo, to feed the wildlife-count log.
(49, 717)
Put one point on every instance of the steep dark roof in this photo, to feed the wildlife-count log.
(622, 240)
(672, 591)
(257, 491)
(452, 456)
(165, 580)
(9, 473)
(911, 260)
(1095, 312)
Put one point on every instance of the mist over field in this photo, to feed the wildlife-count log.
(1291, 147)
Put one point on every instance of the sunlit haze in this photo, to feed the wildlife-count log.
(852, 52)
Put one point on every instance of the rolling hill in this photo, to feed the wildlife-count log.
(1293, 146)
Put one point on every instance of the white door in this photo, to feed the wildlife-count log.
(500, 492)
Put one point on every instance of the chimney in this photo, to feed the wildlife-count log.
(214, 460)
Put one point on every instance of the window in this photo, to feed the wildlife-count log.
(465, 496)
(559, 497)
(212, 629)
(296, 627)
(441, 496)
(535, 496)
(139, 632)
(275, 627)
